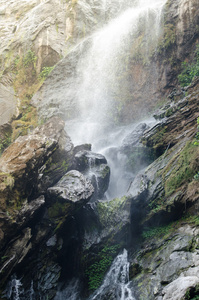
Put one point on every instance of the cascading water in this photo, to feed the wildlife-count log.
(118, 279)
(98, 91)
(98, 86)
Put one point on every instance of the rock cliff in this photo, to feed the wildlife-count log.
(52, 194)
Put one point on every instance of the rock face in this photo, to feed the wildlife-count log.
(94, 166)
(171, 263)
(33, 155)
(23, 164)
(167, 264)
(72, 187)
(146, 78)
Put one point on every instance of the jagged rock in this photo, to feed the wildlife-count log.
(94, 167)
(16, 250)
(170, 260)
(73, 187)
(28, 167)
(179, 119)
(43, 155)
(8, 103)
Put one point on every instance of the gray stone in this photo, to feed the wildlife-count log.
(73, 187)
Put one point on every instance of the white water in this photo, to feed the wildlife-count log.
(97, 82)
(100, 68)
(116, 280)
(70, 292)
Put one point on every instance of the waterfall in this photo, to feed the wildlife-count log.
(100, 69)
(99, 87)
(116, 282)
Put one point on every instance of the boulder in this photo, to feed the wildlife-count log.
(94, 167)
(71, 192)
(35, 161)
(73, 187)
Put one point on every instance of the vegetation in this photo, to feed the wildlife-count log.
(97, 270)
(168, 39)
(181, 168)
(192, 293)
(5, 142)
(156, 231)
(108, 211)
(26, 80)
(197, 134)
(45, 72)
(189, 71)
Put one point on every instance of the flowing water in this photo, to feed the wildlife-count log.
(96, 90)
(116, 282)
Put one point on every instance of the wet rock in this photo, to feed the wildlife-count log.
(177, 121)
(87, 159)
(73, 187)
(94, 167)
(137, 155)
(68, 195)
(134, 137)
(84, 147)
(16, 250)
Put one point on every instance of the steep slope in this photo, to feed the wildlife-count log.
(52, 193)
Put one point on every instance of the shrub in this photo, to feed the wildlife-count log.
(190, 71)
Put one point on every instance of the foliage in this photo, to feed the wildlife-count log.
(192, 293)
(168, 39)
(190, 71)
(45, 72)
(197, 134)
(196, 176)
(156, 231)
(29, 58)
(181, 169)
(97, 270)
(4, 143)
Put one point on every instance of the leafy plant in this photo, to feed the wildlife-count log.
(197, 134)
(45, 72)
(190, 71)
(30, 58)
(97, 270)
(196, 176)
(156, 231)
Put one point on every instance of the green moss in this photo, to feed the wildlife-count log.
(58, 210)
(156, 231)
(108, 210)
(5, 142)
(181, 169)
(168, 39)
(189, 71)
